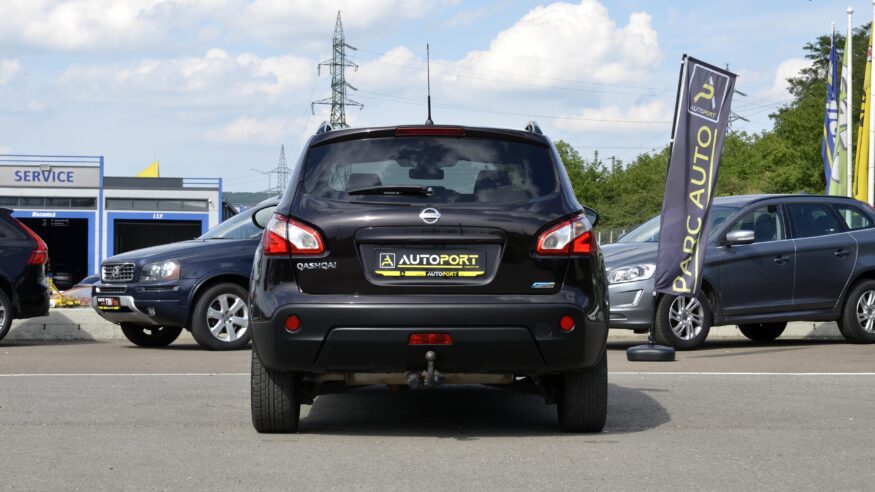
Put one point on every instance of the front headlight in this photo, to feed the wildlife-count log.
(631, 273)
(165, 270)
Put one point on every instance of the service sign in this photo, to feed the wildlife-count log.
(701, 119)
(49, 176)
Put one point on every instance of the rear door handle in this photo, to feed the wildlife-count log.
(841, 252)
(781, 259)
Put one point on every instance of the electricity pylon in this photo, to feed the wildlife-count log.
(337, 66)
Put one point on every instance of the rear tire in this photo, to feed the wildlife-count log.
(583, 404)
(5, 314)
(762, 332)
(671, 327)
(150, 336)
(857, 323)
(221, 318)
(275, 409)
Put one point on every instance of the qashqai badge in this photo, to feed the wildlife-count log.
(429, 215)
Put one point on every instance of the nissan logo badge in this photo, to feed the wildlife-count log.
(429, 215)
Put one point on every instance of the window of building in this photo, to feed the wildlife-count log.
(47, 202)
(151, 204)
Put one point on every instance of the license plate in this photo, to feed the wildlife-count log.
(108, 303)
(417, 263)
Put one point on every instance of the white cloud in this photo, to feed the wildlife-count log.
(250, 130)
(571, 41)
(651, 115)
(9, 69)
(217, 77)
(786, 69)
(112, 25)
(78, 24)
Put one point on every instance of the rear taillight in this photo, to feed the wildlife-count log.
(40, 253)
(573, 236)
(284, 236)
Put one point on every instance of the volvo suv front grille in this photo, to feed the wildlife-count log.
(117, 272)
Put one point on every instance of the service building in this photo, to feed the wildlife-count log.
(85, 217)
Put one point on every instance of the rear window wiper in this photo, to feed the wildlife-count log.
(394, 190)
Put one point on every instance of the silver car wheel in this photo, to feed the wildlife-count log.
(228, 317)
(866, 311)
(2, 314)
(686, 316)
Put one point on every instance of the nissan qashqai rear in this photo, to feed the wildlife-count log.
(429, 255)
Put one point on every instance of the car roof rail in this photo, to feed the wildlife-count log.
(534, 128)
(325, 127)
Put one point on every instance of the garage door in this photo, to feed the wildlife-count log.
(136, 234)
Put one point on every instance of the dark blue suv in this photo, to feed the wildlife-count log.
(201, 285)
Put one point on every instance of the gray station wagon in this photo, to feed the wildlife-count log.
(770, 259)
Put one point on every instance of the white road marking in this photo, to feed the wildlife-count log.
(619, 373)
(681, 373)
(134, 374)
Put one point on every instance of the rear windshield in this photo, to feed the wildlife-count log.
(457, 170)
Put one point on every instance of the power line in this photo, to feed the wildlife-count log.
(475, 109)
(457, 67)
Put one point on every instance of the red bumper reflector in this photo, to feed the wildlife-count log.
(430, 339)
(566, 323)
(293, 323)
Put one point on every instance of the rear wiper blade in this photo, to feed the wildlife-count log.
(394, 190)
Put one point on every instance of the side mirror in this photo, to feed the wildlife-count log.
(262, 217)
(591, 215)
(735, 238)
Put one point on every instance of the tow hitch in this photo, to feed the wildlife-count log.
(429, 378)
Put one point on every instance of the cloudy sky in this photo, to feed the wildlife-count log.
(214, 87)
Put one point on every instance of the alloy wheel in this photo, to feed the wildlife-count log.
(685, 316)
(228, 317)
(866, 311)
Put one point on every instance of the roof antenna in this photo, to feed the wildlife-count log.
(428, 81)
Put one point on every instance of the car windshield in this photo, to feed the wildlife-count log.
(237, 227)
(648, 232)
(430, 170)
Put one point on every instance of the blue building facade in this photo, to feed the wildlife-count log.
(85, 216)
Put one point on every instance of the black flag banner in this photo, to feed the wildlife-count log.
(701, 116)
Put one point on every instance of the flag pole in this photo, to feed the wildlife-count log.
(871, 185)
(849, 165)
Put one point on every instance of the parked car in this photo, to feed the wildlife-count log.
(201, 285)
(24, 292)
(770, 259)
(423, 255)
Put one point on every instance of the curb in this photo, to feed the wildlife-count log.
(83, 324)
(818, 330)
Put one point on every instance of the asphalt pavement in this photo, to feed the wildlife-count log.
(794, 414)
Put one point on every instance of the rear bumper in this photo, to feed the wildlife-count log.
(495, 337)
(33, 306)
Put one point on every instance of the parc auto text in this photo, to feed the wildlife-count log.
(701, 176)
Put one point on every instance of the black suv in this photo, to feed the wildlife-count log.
(421, 255)
(24, 292)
